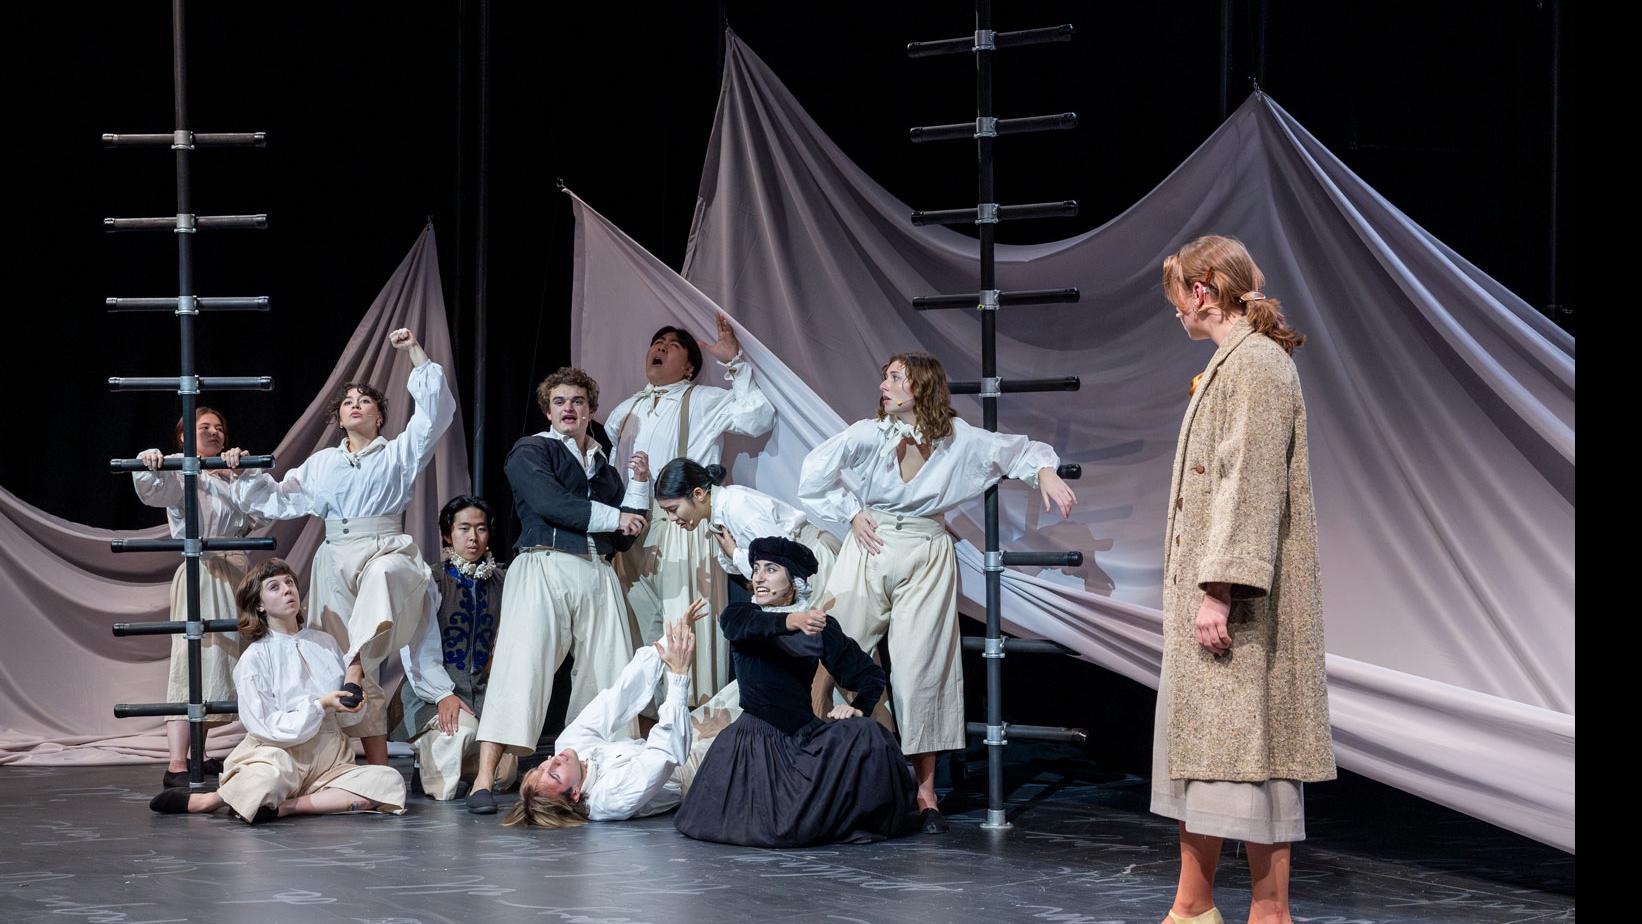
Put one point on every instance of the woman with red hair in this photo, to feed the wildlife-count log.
(1242, 706)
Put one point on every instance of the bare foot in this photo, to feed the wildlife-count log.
(204, 802)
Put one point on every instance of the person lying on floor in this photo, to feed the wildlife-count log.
(294, 759)
(779, 776)
(601, 772)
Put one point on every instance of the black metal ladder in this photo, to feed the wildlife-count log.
(187, 307)
(984, 44)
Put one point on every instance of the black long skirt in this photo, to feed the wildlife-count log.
(842, 781)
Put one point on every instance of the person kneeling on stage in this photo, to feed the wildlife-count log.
(601, 773)
(447, 669)
(779, 776)
(294, 759)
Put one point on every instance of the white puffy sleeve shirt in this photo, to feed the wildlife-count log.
(280, 678)
(747, 515)
(629, 778)
(374, 482)
(960, 468)
(742, 408)
(424, 658)
(220, 513)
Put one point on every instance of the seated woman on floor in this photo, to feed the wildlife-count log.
(294, 759)
(779, 776)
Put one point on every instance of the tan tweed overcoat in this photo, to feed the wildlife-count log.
(1240, 512)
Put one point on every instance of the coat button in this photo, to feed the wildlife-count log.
(1179, 503)
(344, 532)
(1198, 468)
(1177, 540)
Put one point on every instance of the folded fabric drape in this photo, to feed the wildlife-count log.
(63, 587)
(1441, 408)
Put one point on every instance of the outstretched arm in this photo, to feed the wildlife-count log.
(625, 794)
(435, 405)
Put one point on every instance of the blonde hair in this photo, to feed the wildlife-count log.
(537, 811)
(1223, 266)
(931, 397)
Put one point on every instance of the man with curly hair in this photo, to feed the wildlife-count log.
(561, 594)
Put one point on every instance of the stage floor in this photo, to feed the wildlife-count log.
(81, 845)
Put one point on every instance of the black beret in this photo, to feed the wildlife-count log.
(797, 559)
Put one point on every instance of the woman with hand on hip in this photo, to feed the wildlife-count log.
(897, 574)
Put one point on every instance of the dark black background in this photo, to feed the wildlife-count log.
(373, 114)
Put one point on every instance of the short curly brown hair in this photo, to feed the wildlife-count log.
(567, 375)
(364, 388)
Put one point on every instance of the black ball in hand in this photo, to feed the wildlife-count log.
(356, 695)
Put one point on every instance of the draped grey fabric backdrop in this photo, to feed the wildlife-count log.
(1442, 411)
(62, 670)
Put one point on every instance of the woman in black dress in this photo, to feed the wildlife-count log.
(779, 776)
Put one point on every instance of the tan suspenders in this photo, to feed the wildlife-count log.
(683, 424)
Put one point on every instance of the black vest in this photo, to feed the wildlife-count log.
(553, 497)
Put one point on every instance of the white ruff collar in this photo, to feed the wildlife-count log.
(802, 603)
(472, 570)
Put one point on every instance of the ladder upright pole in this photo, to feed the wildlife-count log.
(995, 817)
(187, 312)
(984, 45)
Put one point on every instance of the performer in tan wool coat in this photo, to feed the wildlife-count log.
(1242, 715)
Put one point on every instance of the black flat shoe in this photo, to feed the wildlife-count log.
(173, 801)
(481, 802)
(174, 778)
(933, 821)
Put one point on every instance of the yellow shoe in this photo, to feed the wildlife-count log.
(1212, 916)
